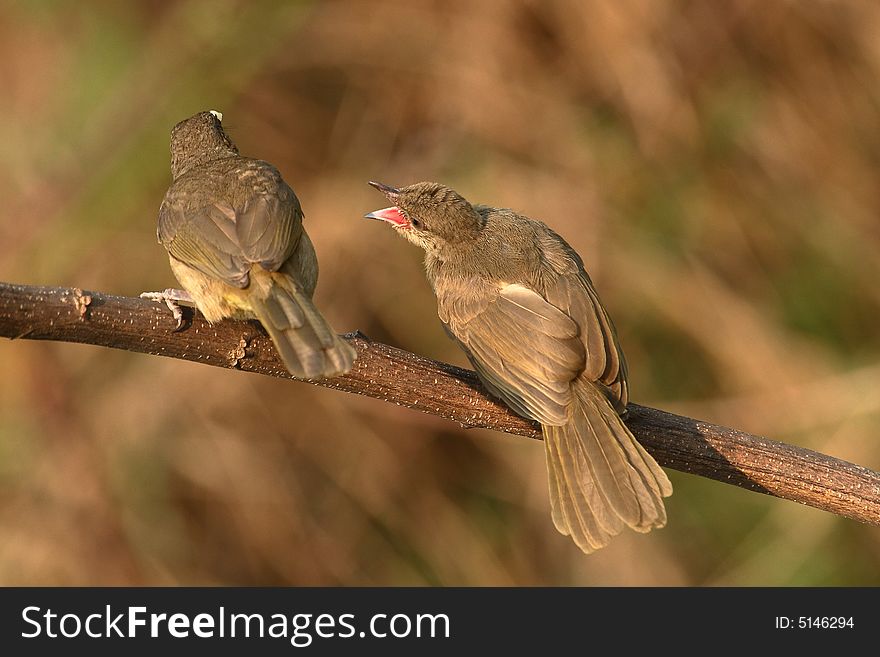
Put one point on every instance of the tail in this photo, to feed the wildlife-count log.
(601, 478)
(308, 346)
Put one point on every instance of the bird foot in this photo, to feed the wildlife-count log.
(171, 298)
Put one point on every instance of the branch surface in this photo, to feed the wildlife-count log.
(399, 377)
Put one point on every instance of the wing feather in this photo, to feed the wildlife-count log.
(224, 240)
(532, 373)
(573, 292)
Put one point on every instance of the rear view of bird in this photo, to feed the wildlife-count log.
(516, 298)
(233, 230)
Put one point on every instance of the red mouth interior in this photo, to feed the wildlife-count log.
(392, 215)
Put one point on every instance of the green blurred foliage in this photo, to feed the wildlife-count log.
(715, 164)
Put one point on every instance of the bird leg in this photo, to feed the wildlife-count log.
(171, 298)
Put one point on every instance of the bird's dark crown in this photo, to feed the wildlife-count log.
(198, 139)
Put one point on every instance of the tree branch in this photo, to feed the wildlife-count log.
(402, 378)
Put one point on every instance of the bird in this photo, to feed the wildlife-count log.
(233, 229)
(516, 298)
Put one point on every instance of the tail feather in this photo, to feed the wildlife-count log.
(307, 345)
(607, 462)
(601, 478)
(575, 497)
(656, 486)
(281, 310)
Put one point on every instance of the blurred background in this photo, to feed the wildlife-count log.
(715, 164)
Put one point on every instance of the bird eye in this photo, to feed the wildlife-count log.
(415, 222)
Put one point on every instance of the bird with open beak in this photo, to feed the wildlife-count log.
(516, 298)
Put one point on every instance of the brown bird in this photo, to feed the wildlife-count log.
(234, 234)
(516, 298)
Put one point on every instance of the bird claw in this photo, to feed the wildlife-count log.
(171, 298)
(356, 334)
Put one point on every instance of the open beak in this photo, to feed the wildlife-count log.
(392, 215)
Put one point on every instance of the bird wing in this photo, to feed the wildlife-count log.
(573, 293)
(525, 350)
(224, 240)
(571, 290)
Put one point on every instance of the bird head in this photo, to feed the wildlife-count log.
(429, 214)
(197, 139)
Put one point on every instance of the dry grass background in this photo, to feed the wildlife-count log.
(716, 164)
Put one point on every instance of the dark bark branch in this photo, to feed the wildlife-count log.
(402, 378)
